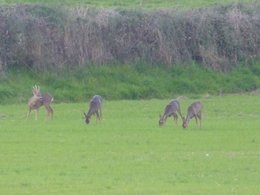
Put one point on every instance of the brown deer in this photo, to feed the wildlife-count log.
(94, 108)
(170, 110)
(194, 110)
(38, 100)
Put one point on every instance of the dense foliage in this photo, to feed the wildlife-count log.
(43, 37)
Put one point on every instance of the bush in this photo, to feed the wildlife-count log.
(50, 38)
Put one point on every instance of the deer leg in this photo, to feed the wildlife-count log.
(36, 114)
(28, 113)
(100, 113)
(175, 118)
(179, 112)
(49, 111)
(97, 116)
(199, 116)
(196, 120)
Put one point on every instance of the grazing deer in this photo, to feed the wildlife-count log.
(170, 110)
(94, 108)
(37, 100)
(194, 110)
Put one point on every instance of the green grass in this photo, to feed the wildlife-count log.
(133, 3)
(127, 82)
(127, 153)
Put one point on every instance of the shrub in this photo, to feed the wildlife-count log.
(50, 38)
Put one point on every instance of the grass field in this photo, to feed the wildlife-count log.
(133, 3)
(116, 82)
(127, 153)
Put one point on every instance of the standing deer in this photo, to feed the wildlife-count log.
(94, 108)
(170, 110)
(37, 100)
(194, 110)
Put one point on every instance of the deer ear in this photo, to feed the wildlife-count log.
(84, 114)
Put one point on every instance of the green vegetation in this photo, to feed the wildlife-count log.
(43, 37)
(127, 82)
(131, 3)
(127, 153)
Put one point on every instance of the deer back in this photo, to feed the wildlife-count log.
(35, 102)
(170, 108)
(94, 105)
(193, 110)
(173, 106)
(47, 99)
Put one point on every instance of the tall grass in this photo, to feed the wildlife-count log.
(127, 82)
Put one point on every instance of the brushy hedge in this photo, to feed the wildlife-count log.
(44, 38)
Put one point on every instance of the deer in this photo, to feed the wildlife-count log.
(38, 100)
(194, 110)
(94, 108)
(170, 110)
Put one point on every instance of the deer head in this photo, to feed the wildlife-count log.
(184, 122)
(161, 120)
(87, 118)
(36, 90)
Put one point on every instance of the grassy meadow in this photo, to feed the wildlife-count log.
(131, 3)
(116, 82)
(128, 153)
